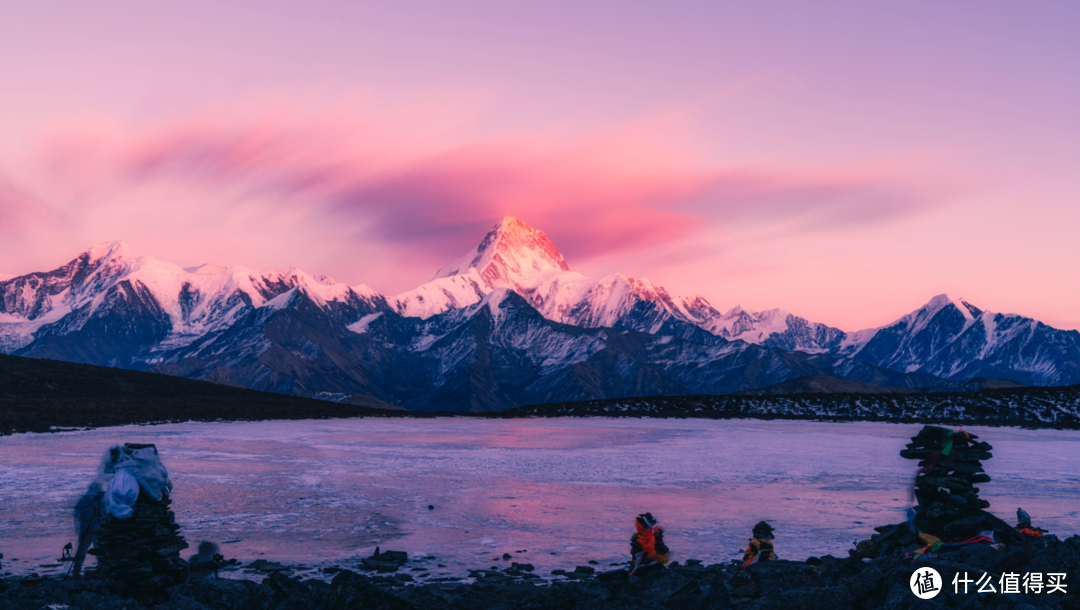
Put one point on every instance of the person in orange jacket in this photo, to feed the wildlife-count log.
(761, 546)
(647, 543)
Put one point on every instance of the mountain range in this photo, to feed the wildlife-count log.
(507, 324)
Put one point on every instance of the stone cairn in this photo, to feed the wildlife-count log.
(950, 467)
(950, 464)
(141, 555)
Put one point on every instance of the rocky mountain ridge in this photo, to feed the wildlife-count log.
(506, 324)
(949, 338)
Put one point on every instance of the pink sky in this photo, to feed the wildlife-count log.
(845, 161)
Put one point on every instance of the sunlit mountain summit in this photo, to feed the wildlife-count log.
(508, 323)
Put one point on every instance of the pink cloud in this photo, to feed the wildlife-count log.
(17, 208)
(334, 195)
(595, 196)
(25, 221)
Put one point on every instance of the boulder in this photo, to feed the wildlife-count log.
(349, 591)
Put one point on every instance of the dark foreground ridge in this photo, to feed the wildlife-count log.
(1027, 407)
(38, 395)
(824, 583)
(44, 395)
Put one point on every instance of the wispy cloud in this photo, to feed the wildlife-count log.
(287, 178)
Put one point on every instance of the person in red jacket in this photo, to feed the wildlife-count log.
(647, 543)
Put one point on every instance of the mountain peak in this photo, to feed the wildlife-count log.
(938, 302)
(512, 255)
(107, 250)
(942, 301)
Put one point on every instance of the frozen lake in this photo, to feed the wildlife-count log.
(564, 491)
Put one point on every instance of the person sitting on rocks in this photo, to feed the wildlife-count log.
(647, 543)
(1023, 525)
(761, 546)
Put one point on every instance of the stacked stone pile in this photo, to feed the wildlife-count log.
(951, 466)
(141, 555)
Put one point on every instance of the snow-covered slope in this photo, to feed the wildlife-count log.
(441, 294)
(512, 255)
(507, 323)
(947, 337)
(501, 352)
(515, 256)
(954, 339)
(158, 305)
(774, 328)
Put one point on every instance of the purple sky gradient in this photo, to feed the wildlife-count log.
(842, 160)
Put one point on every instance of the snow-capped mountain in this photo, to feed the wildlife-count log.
(108, 307)
(289, 332)
(512, 255)
(507, 324)
(517, 257)
(953, 339)
(500, 352)
(775, 328)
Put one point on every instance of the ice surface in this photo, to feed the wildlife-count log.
(566, 490)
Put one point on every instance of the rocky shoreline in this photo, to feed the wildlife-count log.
(827, 583)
